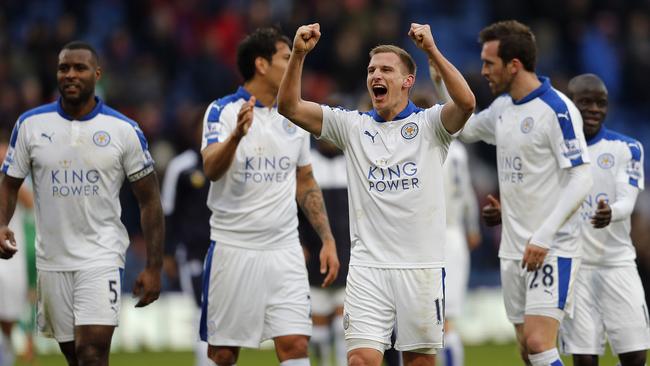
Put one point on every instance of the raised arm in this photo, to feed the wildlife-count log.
(8, 196)
(307, 115)
(146, 191)
(461, 106)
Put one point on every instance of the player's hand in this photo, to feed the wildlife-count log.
(533, 257)
(491, 212)
(473, 240)
(7, 243)
(306, 38)
(244, 118)
(329, 263)
(603, 215)
(147, 287)
(422, 37)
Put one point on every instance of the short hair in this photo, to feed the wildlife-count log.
(261, 43)
(516, 40)
(585, 81)
(404, 56)
(81, 45)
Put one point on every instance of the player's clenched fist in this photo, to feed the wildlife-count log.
(306, 38)
(7, 243)
(421, 36)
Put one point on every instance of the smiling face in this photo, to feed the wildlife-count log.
(388, 83)
(494, 69)
(592, 103)
(77, 75)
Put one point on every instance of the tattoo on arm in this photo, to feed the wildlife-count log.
(151, 218)
(312, 205)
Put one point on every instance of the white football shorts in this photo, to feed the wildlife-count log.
(609, 302)
(546, 292)
(83, 297)
(325, 301)
(254, 295)
(378, 300)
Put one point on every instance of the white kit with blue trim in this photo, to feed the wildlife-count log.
(250, 203)
(395, 178)
(77, 168)
(538, 138)
(617, 161)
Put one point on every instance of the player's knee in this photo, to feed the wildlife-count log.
(222, 356)
(636, 358)
(585, 360)
(90, 354)
(292, 347)
(537, 343)
(355, 359)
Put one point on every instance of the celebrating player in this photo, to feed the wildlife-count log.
(394, 156)
(78, 152)
(543, 177)
(255, 280)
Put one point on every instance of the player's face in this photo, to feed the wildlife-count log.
(279, 63)
(494, 70)
(388, 81)
(592, 104)
(77, 75)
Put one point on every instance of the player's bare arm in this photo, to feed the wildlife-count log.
(310, 200)
(461, 106)
(307, 115)
(218, 157)
(8, 197)
(147, 286)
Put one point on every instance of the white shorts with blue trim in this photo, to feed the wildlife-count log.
(377, 300)
(253, 295)
(610, 305)
(546, 292)
(84, 297)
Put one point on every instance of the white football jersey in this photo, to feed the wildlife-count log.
(77, 169)
(254, 203)
(395, 180)
(538, 139)
(460, 200)
(617, 160)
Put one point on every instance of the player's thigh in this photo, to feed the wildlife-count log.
(513, 285)
(55, 306)
(550, 289)
(322, 301)
(369, 309)
(97, 296)
(288, 306)
(419, 300)
(584, 333)
(234, 297)
(624, 309)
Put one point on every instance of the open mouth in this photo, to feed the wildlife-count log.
(379, 91)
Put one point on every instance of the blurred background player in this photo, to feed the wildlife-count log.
(14, 273)
(255, 284)
(610, 301)
(80, 254)
(184, 194)
(543, 177)
(327, 303)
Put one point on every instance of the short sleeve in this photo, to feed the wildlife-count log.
(304, 157)
(136, 160)
(218, 122)
(480, 127)
(17, 161)
(567, 138)
(336, 125)
(632, 171)
(434, 124)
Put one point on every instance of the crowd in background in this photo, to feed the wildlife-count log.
(164, 61)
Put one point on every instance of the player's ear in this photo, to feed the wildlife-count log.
(98, 73)
(261, 65)
(409, 81)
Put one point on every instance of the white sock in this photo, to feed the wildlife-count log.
(296, 362)
(340, 347)
(320, 338)
(201, 354)
(453, 351)
(546, 358)
(7, 356)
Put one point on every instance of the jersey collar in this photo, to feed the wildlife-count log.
(546, 85)
(599, 136)
(243, 93)
(409, 110)
(99, 104)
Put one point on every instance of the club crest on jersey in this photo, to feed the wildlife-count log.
(346, 321)
(409, 130)
(606, 160)
(527, 124)
(289, 127)
(101, 138)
